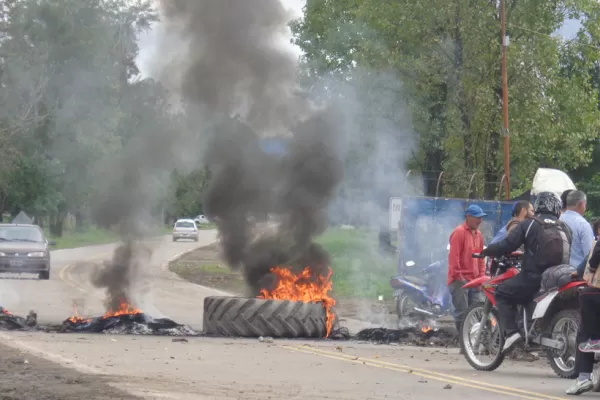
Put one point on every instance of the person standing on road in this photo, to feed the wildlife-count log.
(563, 198)
(588, 335)
(521, 210)
(583, 235)
(465, 240)
(596, 228)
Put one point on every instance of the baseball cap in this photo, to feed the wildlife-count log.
(475, 211)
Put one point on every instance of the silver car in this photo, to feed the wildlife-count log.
(185, 229)
(24, 249)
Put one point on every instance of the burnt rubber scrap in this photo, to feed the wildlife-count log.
(126, 324)
(416, 336)
(10, 321)
(125, 320)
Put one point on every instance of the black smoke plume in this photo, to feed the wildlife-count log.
(119, 275)
(267, 208)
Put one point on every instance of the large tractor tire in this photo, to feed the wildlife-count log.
(250, 317)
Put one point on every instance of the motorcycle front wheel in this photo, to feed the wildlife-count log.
(487, 356)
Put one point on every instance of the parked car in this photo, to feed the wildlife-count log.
(201, 219)
(24, 249)
(185, 229)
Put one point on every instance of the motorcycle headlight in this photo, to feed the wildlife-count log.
(37, 254)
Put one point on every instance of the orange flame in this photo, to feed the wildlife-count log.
(124, 309)
(303, 288)
(426, 329)
(76, 318)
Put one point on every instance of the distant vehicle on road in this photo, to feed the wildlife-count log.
(24, 249)
(185, 229)
(201, 219)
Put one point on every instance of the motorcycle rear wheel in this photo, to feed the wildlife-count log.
(596, 379)
(564, 365)
(404, 305)
(490, 336)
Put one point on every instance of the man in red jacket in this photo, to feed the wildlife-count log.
(465, 240)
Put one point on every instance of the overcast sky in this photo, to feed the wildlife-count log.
(147, 40)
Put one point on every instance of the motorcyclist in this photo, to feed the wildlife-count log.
(547, 242)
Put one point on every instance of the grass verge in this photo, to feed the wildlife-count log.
(359, 270)
(91, 236)
(88, 237)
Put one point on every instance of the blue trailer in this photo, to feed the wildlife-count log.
(424, 224)
(427, 222)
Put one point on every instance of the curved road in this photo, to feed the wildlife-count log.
(209, 368)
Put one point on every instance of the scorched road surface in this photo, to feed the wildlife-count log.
(153, 367)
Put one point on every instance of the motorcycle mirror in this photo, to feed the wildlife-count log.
(410, 263)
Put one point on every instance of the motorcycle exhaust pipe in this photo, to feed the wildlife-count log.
(424, 311)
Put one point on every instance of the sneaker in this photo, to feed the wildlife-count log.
(511, 341)
(580, 387)
(591, 346)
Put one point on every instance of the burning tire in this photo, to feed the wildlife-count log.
(249, 317)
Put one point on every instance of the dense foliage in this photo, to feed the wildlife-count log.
(71, 97)
(421, 80)
(447, 57)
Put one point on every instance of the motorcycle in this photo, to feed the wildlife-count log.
(551, 321)
(425, 296)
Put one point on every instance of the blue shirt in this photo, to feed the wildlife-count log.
(583, 236)
(502, 233)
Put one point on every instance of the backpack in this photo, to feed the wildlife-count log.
(553, 243)
(556, 277)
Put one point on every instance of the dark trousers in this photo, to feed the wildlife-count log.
(589, 303)
(462, 299)
(519, 290)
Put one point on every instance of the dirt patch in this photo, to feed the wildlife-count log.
(204, 267)
(26, 377)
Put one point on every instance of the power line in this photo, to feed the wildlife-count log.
(550, 36)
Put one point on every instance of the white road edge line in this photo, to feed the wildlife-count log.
(57, 358)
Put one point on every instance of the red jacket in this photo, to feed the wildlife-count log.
(461, 265)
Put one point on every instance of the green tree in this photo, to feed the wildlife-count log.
(447, 56)
(68, 65)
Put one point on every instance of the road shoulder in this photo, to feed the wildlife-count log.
(24, 376)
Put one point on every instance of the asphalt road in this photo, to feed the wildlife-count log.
(209, 368)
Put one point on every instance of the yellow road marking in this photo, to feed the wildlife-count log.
(505, 390)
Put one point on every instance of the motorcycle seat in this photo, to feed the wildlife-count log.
(415, 280)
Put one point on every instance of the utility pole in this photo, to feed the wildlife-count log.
(505, 101)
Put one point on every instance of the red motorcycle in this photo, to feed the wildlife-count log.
(551, 321)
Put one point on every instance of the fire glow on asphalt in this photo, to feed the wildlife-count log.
(127, 319)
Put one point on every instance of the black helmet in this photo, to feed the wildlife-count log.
(548, 203)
